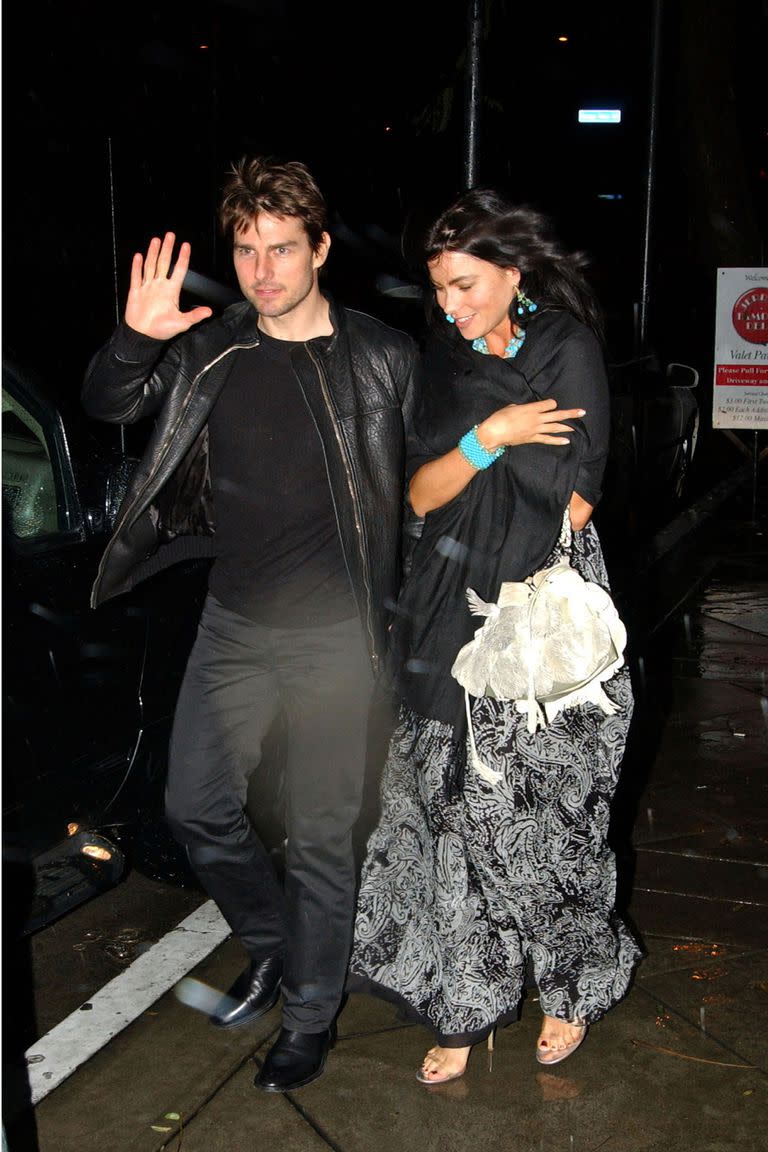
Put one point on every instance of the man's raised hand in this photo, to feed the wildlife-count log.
(152, 307)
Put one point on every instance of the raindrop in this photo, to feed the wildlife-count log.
(687, 626)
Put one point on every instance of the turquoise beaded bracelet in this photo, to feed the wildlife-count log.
(474, 453)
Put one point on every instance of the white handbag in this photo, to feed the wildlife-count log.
(548, 642)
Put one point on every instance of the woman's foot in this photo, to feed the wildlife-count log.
(443, 1064)
(558, 1040)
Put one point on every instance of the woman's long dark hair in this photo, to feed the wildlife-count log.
(483, 224)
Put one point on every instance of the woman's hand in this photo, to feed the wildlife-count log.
(440, 480)
(536, 423)
(152, 307)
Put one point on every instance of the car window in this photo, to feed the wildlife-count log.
(30, 503)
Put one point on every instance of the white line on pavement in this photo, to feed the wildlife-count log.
(62, 1050)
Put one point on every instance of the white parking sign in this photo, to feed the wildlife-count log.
(740, 393)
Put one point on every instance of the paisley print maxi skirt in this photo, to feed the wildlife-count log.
(458, 897)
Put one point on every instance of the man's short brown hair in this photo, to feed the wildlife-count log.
(279, 187)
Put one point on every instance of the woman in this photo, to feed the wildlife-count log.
(466, 882)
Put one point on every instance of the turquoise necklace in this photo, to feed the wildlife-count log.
(510, 351)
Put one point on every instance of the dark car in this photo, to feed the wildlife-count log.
(88, 694)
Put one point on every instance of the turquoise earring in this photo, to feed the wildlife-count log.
(449, 318)
(524, 303)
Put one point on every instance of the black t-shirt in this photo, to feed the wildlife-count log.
(279, 558)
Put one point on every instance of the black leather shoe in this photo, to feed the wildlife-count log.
(295, 1059)
(252, 995)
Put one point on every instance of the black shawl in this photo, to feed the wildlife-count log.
(505, 523)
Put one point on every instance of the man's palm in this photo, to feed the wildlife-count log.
(152, 307)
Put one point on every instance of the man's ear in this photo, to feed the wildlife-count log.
(321, 255)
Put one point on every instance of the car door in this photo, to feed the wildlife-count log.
(71, 675)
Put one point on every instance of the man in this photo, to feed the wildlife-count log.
(278, 448)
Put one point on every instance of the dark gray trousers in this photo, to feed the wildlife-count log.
(239, 676)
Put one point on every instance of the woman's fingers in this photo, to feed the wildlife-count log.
(563, 414)
(529, 423)
(549, 408)
(552, 420)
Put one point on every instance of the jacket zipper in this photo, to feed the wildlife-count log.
(375, 660)
(125, 516)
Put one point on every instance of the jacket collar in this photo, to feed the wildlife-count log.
(241, 319)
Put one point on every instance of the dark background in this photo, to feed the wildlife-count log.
(120, 121)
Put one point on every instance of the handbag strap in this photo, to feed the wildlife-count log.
(479, 765)
(566, 535)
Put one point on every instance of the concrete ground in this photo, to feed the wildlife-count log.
(680, 1064)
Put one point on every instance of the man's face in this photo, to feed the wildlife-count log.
(275, 265)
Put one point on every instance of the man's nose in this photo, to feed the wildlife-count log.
(262, 266)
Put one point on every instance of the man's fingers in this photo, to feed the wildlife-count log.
(156, 265)
(166, 254)
(195, 315)
(150, 260)
(137, 268)
(182, 263)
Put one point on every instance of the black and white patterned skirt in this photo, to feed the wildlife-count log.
(458, 897)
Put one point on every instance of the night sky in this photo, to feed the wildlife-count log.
(120, 121)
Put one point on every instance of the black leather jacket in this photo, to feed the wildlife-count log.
(359, 385)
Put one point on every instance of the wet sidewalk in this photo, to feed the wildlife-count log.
(680, 1064)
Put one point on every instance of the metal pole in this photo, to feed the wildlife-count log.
(642, 333)
(114, 252)
(472, 100)
(111, 168)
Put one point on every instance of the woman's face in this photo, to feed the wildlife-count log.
(475, 293)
